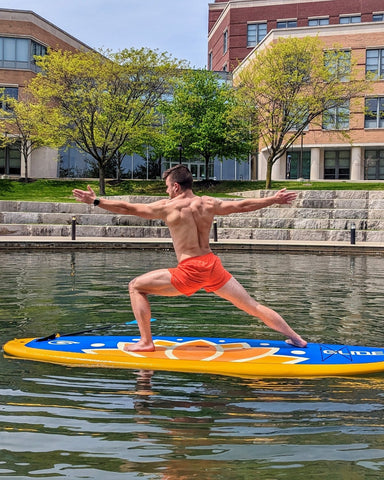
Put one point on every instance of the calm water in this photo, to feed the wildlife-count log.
(73, 423)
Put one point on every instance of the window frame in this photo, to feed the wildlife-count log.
(258, 34)
(340, 114)
(337, 169)
(375, 114)
(350, 19)
(378, 72)
(318, 21)
(225, 41)
(286, 23)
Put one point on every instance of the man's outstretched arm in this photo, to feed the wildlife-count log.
(282, 197)
(144, 210)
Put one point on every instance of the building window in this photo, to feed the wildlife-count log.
(374, 165)
(378, 17)
(374, 112)
(336, 118)
(374, 62)
(12, 92)
(10, 160)
(350, 19)
(210, 61)
(18, 53)
(338, 63)
(337, 165)
(287, 24)
(225, 41)
(255, 33)
(315, 22)
(298, 164)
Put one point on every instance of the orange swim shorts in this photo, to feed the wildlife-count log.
(194, 273)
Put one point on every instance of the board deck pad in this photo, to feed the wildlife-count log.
(226, 356)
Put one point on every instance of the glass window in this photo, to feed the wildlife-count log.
(337, 165)
(14, 159)
(9, 53)
(287, 24)
(338, 63)
(12, 92)
(225, 41)
(336, 118)
(2, 161)
(255, 33)
(314, 22)
(374, 165)
(374, 62)
(298, 164)
(210, 61)
(351, 19)
(19, 52)
(378, 17)
(10, 160)
(374, 112)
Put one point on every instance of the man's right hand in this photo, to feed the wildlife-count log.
(85, 196)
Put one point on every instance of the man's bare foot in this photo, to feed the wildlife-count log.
(297, 342)
(138, 347)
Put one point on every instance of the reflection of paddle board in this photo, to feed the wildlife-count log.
(238, 357)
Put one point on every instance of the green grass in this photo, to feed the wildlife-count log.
(61, 190)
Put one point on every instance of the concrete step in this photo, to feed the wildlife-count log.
(39, 230)
(81, 219)
(343, 221)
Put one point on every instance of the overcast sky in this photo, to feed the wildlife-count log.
(178, 27)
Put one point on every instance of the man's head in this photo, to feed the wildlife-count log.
(179, 175)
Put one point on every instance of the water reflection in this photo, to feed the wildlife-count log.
(61, 422)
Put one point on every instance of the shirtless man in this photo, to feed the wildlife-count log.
(189, 219)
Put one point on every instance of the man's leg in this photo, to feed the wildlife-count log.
(157, 282)
(235, 293)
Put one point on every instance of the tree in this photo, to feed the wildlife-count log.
(102, 101)
(201, 118)
(292, 83)
(22, 121)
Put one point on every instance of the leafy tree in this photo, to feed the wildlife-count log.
(22, 120)
(202, 118)
(292, 83)
(102, 101)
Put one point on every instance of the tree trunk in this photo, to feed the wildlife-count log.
(254, 165)
(206, 169)
(101, 180)
(24, 150)
(268, 178)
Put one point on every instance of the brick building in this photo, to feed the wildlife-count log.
(24, 34)
(238, 28)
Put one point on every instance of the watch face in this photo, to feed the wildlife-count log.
(96, 202)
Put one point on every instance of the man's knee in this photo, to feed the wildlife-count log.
(132, 285)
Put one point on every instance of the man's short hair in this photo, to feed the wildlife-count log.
(180, 174)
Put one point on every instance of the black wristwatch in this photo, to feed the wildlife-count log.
(96, 202)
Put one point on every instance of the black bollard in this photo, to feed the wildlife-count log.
(73, 225)
(353, 233)
(215, 231)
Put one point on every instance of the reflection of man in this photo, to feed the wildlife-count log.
(189, 219)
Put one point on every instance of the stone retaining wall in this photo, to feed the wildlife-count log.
(314, 216)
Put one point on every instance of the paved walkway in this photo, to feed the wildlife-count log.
(10, 242)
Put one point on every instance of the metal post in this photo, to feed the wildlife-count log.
(73, 225)
(215, 231)
(353, 233)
